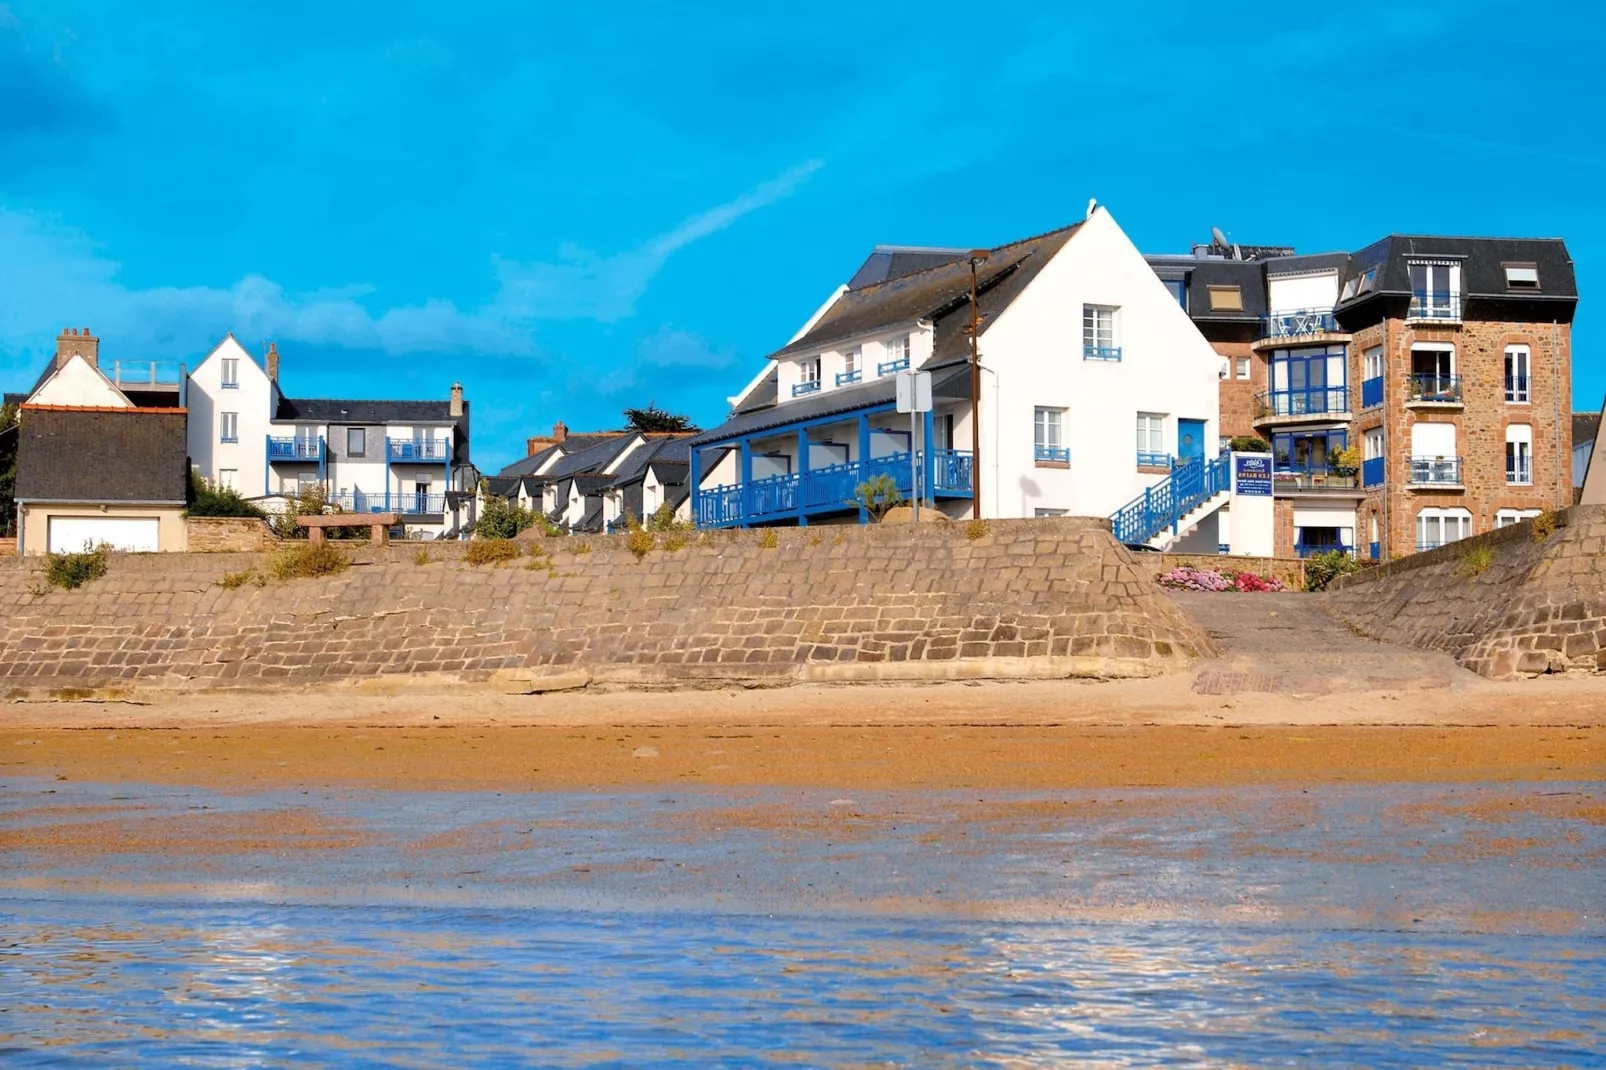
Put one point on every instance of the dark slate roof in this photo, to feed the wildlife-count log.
(90, 455)
(502, 486)
(631, 499)
(764, 395)
(670, 473)
(1291, 265)
(1482, 267)
(590, 460)
(591, 520)
(1585, 427)
(939, 293)
(338, 411)
(954, 382)
(657, 453)
(895, 261)
(1203, 272)
(572, 445)
(590, 485)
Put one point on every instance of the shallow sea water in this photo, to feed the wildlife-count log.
(1374, 926)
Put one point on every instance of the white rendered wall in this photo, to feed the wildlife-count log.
(252, 400)
(1302, 291)
(1251, 530)
(1032, 355)
(78, 384)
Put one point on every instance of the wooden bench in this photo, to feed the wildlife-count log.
(379, 523)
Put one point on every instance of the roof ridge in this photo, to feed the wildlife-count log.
(950, 263)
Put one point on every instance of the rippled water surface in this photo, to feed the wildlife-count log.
(1397, 926)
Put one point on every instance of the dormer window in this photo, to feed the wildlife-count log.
(1226, 299)
(896, 351)
(808, 377)
(1522, 276)
(851, 372)
(1435, 290)
(1367, 282)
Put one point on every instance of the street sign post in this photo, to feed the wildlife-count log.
(914, 398)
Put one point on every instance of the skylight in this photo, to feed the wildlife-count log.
(1522, 276)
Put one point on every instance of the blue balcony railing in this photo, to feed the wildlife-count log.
(1061, 454)
(1441, 305)
(808, 386)
(1311, 549)
(295, 449)
(1310, 401)
(1163, 505)
(888, 367)
(1299, 322)
(1432, 388)
(1101, 352)
(1372, 471)
(844, 378)
(1435, 471)
(419, 449)
(830, 489)
(1153, 460)
(408, 503)
(1371, 392)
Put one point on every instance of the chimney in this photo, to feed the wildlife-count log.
(272, 362)
(456, 409)
(537, 443)
(71, 342)
(560, 431)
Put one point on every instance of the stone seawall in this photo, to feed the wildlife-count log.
(1044, 598)
(227, 534)
(1508, 603)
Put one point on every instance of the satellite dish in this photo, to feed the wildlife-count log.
(1219, 239)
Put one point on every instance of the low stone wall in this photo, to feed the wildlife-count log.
(228, 534)
(1508, 603)
(1291, 570)
(8, 547)
(1043, 598)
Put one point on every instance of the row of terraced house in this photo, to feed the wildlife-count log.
(1407, 395)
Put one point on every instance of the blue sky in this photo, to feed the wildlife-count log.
(575, 210)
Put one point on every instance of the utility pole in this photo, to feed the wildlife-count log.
(976, 257)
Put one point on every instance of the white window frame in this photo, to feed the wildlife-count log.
(1151, 433)
(1515, 354)
(228, 478)
(1504, 518)
(1101, 328)
(1441, 527)
(228, 427)
(1048, 432)
(1372, 363)
(1241, 367)
(1372, 442)
(1519, 455)
(850, 360)
(1522, 277)
(896, 349)
(808, 370)
(230, 373)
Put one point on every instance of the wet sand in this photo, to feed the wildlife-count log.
(1153, 733)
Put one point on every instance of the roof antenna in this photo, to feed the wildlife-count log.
(1092, 203)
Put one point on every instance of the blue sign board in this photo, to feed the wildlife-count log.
(1252, 476)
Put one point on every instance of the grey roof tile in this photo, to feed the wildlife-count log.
(99, 456)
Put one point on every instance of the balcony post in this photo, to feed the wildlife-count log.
(802, 475)
(747, 479)
(696, 472)
(928, 482)
(864, 459)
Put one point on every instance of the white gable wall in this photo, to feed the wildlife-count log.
(252, 400)
(1032, 355)
(80, 385)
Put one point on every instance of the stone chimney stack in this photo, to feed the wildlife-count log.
(456, 409)
(560, 431)
(271, 362)
(71, 342)
(537, 443)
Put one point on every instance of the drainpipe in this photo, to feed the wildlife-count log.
(1555, 364)
(1387, 546)
(976, 257)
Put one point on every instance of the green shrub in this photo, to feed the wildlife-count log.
(232, 580)
(312, 500)
(1475, 560)
(307, 562)
(74, 570)
(976, 529)
(640, 542)
(502, 519)
(675, 540)
(1249, 444)
(490, 551)
(211, 499)
(876, 496)
(1544, 525)
(664, 519)
(1323, 568)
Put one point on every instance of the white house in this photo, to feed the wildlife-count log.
(406, 457)
(1094, 385)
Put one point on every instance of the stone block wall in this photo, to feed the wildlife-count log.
(1291, 570)
(1507, 603)
(228, 534)
(1037, 598)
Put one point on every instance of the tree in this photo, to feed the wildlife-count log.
(9, 434)
(654, 419)
(500, 518)
(876, 496)
(212, 499)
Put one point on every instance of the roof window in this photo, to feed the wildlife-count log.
(1226, 299)
(1522, 276)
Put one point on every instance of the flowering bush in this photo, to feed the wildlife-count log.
(1189, 578)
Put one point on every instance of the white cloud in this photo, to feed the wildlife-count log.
(53, 276)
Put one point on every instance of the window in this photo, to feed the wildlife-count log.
(1372, 465)
(851, 372)
(1373, 444)
(1517, 374)
(1435, 527)
(228, 426)
(1151, 441)
(1504, 518)
(356, 441)
(897, 354)
(1049, 436)
(1433, 377)
(1372, 361)
(808, 377)
(228, 478)
(1522, 276)
(231, 373)
(1367, 282)
(1226, 299)
(1050, 512)
(1435, 290)
(1098, 333)
(1243, 367)
(850, 360)
(1433, 456)
(1349, 289)
(1179, 290)
(1519, 454)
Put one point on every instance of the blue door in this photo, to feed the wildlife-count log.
(1190, 441)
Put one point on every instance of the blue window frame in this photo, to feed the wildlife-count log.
(1179, 290)
(1306, 451)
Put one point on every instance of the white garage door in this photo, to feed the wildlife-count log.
(71, 534)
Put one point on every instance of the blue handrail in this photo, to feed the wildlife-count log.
(1061, 454)
(829, 488)
(1306, 401)
(844, 378)
(1168, 501)
(1434, 305)
(1371, 392)
(1101, 352)
(807, 386)
(888, 367)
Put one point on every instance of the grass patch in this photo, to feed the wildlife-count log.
(422, 558)
(675, 540)
(490, 551)
(584, 547)
(1475, 560)
(640, 542)
(1544, 525)
(74, 570)
(234, 580)
(976, 529)
(307, 562)
(769, 540)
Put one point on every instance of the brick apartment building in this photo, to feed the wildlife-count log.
(1445, 361)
